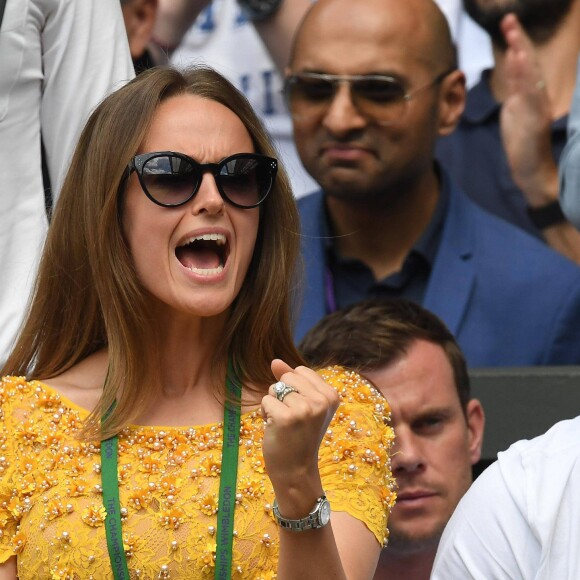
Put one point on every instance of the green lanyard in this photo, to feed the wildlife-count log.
(227, 493)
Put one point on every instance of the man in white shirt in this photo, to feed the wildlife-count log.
(521, 518)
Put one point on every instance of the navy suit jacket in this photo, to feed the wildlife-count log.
(508, 299)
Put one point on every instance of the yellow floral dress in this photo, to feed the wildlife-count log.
(51, 507)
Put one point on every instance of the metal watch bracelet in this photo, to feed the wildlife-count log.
(318, 517)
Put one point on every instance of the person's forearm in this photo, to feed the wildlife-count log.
(540, 189)
(525, 124)
(174, 18)
(345, 551)
(565, 239)
(278, 31)
(562, 237)
(309, 555)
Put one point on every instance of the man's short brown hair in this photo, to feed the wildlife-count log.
(376, 333)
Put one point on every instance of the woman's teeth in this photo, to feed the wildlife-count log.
(220, 239)
(207, 271)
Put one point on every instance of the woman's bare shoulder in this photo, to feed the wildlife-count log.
(82, 383)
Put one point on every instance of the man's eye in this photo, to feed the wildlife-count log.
(316, 89)
(429, 423)
(377, 90)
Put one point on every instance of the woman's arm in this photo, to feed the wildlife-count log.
(8, 569)
(174, 18)
(345, 548)
(277, 32)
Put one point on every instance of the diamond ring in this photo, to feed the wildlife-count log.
(282, 389)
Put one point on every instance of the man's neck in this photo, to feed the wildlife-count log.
(412, 566)
(381, 237)
(557, 60)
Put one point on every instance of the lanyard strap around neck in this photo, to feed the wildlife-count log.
(110, 484)
(228, 478)
(227, 492)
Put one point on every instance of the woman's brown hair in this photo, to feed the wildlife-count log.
(87, 295)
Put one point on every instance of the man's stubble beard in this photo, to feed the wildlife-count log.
(407, 544)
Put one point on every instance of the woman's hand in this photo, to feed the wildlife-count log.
(294, 430)
(293, 433)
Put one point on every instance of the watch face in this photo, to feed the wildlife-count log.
(324, 512)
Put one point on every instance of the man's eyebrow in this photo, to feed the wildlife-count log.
(441, 411)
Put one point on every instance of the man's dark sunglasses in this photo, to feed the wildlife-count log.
(380, 97)
(171, 179)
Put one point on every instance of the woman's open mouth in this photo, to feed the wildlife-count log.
(205, 254)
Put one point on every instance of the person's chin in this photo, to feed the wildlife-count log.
(345, 183)
(210, 307)
(358, 193)
(417, 539)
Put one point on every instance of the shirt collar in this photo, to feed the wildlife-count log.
(481, 104)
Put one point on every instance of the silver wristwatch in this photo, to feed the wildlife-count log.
(317, 518)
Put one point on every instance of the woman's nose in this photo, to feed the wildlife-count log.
(208, 198)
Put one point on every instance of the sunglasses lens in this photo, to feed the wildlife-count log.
(170, 180)
(246, 180)
(307, 95)
(378, 90)
(312, 89)
(378, 97)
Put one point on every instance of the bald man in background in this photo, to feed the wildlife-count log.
(371, 86)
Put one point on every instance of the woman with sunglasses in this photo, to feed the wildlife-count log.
(167, 385)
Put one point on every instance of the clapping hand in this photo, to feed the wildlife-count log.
(526, 118)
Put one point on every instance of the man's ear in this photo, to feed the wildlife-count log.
(139, 16)
(475, 425)
(451, 101)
